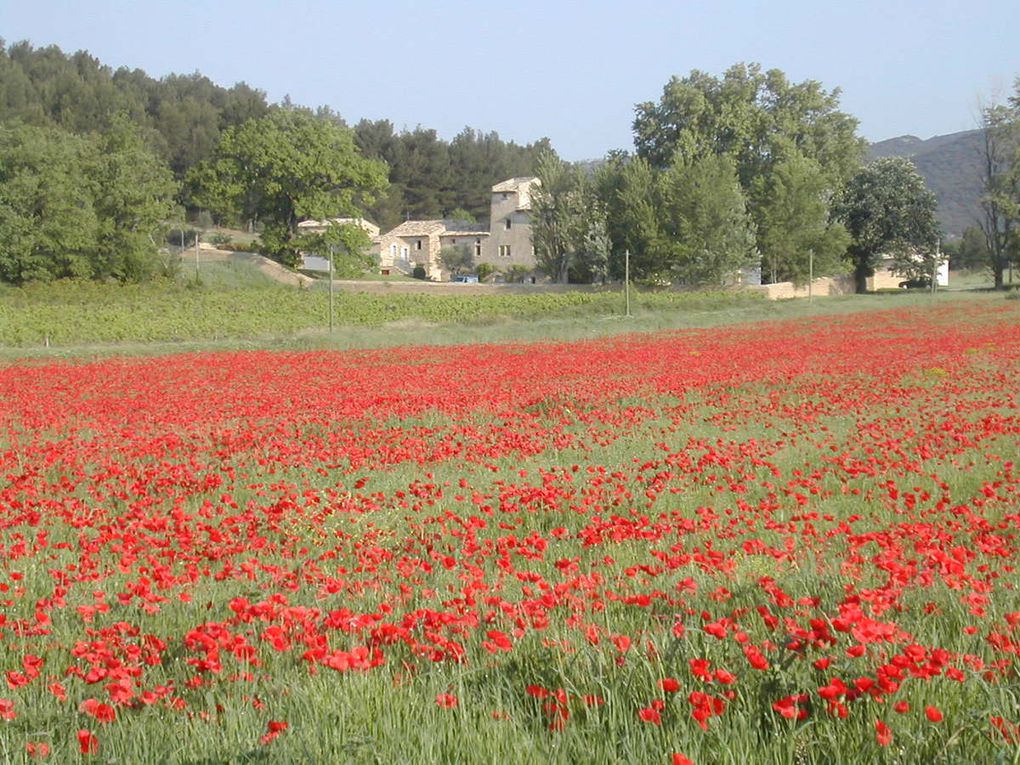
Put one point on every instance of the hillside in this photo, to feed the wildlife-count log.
(951, 165)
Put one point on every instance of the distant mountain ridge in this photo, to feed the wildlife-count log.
(951, 166)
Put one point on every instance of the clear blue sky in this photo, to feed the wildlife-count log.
(533, 68)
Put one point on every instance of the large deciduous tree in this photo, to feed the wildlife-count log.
(889, 211)
(709, 234)
(134, 199)
(80, 207)
(47, 221)
(791, 147)
(755, 117)
(796, 233)
(284, 168)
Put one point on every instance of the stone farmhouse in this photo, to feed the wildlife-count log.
(419, 243)
(507, 242)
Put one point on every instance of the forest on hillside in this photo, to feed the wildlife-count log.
(181, 118)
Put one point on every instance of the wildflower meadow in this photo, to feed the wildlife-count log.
(783, 542)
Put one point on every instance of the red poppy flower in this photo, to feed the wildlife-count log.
(87, 742)
(882, 733)
(446, 700)
(650, 715)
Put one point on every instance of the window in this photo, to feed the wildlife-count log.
(417, 245)
(504, 251)
(453, 241)
(478, 247)
(393, 250)
(507, 224)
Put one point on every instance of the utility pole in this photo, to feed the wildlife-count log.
(196, 256)
(331, 289)
(811, 274)
(626, 280)
(935, 265)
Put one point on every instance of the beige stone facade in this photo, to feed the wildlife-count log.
(506, 243)
(420, 242)
(510, 243)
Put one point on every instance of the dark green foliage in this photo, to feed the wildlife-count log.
(888, 210)
(180, 116)
(795, 232)
(708, 234)
(569, 223)
(790, 146)
(287, 167)
(80, 207)
(969, 252)
(432, 178)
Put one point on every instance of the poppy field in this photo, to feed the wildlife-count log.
(785, 542)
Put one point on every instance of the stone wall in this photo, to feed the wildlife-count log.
(822, 287)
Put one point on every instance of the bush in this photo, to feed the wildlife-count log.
(419, 272)
(233, 246)
(484, 271)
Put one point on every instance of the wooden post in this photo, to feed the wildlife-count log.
(626, 280)
(811, 274)
(331, 289)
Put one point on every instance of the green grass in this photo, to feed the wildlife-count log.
(391, 715)
(234, 305)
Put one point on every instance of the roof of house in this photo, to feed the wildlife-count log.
(522, 186)
(440, 227)
(514, 184)
(370, 228)
(467, 234)
(417, 228)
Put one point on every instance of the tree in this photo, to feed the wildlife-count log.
(969, 252)
(766, 126)
(517, 273)
(77, 207)
(888, 210)
(630, 189)
(457, 259)
(484, 271)
(1000, 177)
(569, 226)
(754, 117)
(795, 232)
(345, 244)
(134, 199)
(48, 223)
(710, 234)
(461, 215)
(284, 168)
